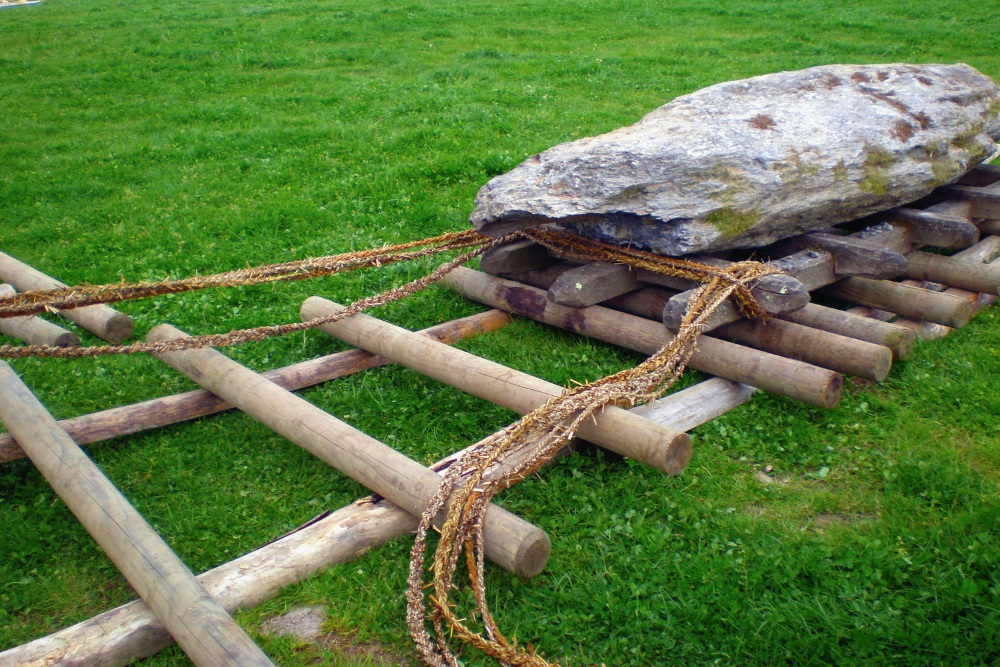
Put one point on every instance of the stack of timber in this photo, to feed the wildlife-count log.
(881, 265)
(801, 352)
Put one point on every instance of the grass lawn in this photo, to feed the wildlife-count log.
(154, 139)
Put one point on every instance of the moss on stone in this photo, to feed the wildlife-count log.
(970, 142)
(840, 172)
(876, 180)
(944, 171)
(731, 222)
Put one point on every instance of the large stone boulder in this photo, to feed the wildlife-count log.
(745, 163)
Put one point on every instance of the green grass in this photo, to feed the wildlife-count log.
(166, 139)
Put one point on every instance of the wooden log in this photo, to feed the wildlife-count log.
(131, 631)
(787, 377)
(697, 405)
(515, 257)
(813, 268)
(906, 300)
(898, 339)
(511, 542)
(34, 330)
(592, 283)
(856, 256)
(158, 412)
(987, 226)
(620, 431)
(821, 348)
(985, 201)
(936, 229)
(208, 635)
(986, 250)
(972, 276)
(981, 175)
(814, 346)
(101, 320)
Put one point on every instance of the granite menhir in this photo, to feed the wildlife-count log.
(745, 163)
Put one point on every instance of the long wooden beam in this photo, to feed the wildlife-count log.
(206, 632)
(103, 321)
(795, 379)
(620, 431)
(511, 542)
(132, 631)
(137, 417)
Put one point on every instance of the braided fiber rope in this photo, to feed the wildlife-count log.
(38, 301)
(468, 488)
(74, 297)
(494, 464)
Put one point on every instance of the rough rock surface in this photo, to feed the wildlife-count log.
(748, 162)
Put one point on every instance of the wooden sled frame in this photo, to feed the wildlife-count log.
(800, 353)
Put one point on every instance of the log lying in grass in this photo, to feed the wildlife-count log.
(511, 542)
(906, 300)
(102, 321)
(34, 330)
(167, 410)
(620, 431)
(814, 346)
(971, 276)
(131, 631)
(787, 377)
(208, 635)
(898, 339)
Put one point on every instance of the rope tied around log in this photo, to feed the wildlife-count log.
(466, 490)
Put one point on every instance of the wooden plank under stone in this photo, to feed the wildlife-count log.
(208, 635)
(592, 283)
(795, 379)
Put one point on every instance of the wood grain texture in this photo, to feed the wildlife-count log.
(208, 635)
(620, 431)
(102, 321)
(138, 417)
(511, 542)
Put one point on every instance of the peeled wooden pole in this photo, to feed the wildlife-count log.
(898, 339)
(511, 542)
(906, 300)
(620, 431)
(814, 346)
(787, 377)
(131, 631)
(157, 412)
(208, 635)
(34, 330)
(967, 275)
(102, 321)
